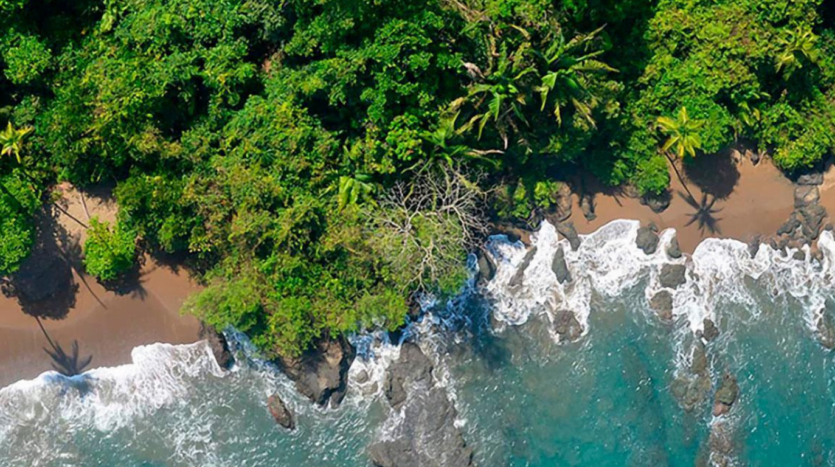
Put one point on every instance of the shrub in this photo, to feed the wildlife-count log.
(109, 252)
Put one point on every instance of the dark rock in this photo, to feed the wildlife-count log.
(755, 157)
(218, 345)
(790, 225)
(514, 234)
(427, 436)
(647, 240)
(280, 412)
(519, 276)
(486, 266)
(725, 395)
(672, 275)
(812, 221)
(321, 373)
(563, 203)
(828, 227)
(673, 250)
(658, 203)
(412, 367)
(754, 246)
(560, 268)
(698, 364)
(826, 331)
(810, 179)
(662, 303)
(567, 325)
(709, 331)
(567, 230)
(720, 444)
(799, 255)
(805, 196)
(587, 206)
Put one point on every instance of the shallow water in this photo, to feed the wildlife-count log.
(525, 396)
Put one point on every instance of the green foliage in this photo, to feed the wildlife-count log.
(26, 58)
(682, 133)
(18, 202)
(11, 141)
(109, 251)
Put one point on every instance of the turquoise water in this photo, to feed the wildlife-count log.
(525, 396)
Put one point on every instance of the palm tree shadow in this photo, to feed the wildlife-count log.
(68, 364)
(705, 214)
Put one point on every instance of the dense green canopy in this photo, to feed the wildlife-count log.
(306, 152)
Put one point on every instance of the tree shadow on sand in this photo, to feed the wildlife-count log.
(705, 214)
(68, 364)
(714, 174)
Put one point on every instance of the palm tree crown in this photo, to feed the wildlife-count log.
(682, 133)
(11, 140)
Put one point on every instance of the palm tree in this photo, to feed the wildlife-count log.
(444, 145)
(797, 44)
(11, 140)
(682, 138)
(570, 76)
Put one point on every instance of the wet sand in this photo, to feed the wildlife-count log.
(740, 201)
(105, 324)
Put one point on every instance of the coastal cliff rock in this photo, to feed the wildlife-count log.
(519, 276)
(559, 267)
(563, 204)
(412, 367)
(567, 325)
(321, 373)
(672, 275)
(280, 412)
(218, 345)
(486, 266)
(426, 436)
(647, 239)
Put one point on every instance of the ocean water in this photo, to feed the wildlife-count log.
(525, 395)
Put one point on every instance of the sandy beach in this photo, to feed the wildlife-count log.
(52, 304)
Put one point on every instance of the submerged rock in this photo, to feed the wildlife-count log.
(567, 230)
(647, 239)
(426, 437)
(709, 330)
(321, 373)
(662, 303)
(826, 331)
(280, 412)
(672, 275)
(559, 267)
(218, 345)
(519, 276)
(567, 325)
(412, 367)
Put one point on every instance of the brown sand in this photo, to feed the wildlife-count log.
(750, 200)
(106, 324)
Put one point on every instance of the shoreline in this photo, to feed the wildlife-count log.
(107, 325)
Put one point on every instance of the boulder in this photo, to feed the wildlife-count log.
(559, 267)
(563, 204)
(647, 240)
(280, 412)
(754, 246)
(567, 230)
(698, 363)
(709, 330)
(519, 276)
(790, 225)
(755, 157)
(799, 255)
(725, 395)
(567, 325)
(662, 303)
(673, 250)
(805, 195)
(218, 345)
(412, 367)
(658, 203)
(812, 217)
(426, 436)
(672, 275)
(321, 373)
(810, 179)
(587, 206)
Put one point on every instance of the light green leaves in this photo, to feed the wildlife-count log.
(11, 140)
(682, 133)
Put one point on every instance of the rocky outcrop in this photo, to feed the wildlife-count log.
(726, 395)
(567, 230)
(658, 203)
(691, 388)
(806, 221)
(673, 249)
(662, 303)
(672, 275)
(647, 239)
(826, 331)
(709, 331)
(412, 367)
(321, 373)
(587, 207)
(754, 246)
(486, 266)
(426, 435)
(519, 276)
(563, 203)
(218, 345)
(810, 179)
(280, 412)
(567, 325)
(559, 267)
